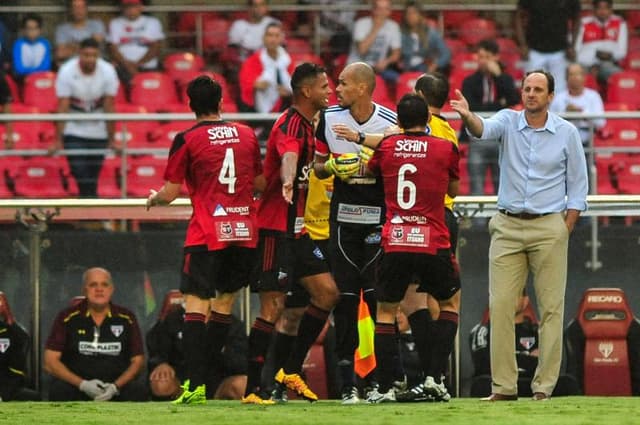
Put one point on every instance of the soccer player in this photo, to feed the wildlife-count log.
(356, 211)
(417, 171)
(220, 163)
(288, 255)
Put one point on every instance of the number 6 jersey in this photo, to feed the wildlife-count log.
(415, 170)
(219, 161)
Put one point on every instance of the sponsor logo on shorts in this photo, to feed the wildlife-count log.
(318, 254)
(373, 238)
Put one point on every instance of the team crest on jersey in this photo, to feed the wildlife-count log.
(397, 233)
(5, 343)
(527, 342)
(226, 229)
(117, 330)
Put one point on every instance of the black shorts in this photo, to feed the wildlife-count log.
(283, 261)
(355, 251)
(225, 271)
(438, 275)
(297, 296)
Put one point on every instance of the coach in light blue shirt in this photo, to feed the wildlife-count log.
(543, 189)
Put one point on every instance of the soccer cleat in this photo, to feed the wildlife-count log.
(296, 384)
(197, 396)
(254, 398)
(376, 397)
(414, 394)
(371, 389)
(279, 393)
(350, 395)
(437, 391)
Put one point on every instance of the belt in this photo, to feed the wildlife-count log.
(523, 215)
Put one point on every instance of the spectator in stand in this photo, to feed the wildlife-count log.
(602, 41)
(5, 46)
(31, 52)
(265, 77)
(578, 98)
(14, 345)
(5, 104)
(246, 34)
(227, 373)
(70, 34)
(488, 89)
(423, 49)
(335, 25)
(134, 40)
(377, 41)
(87, 84)
(542, 30)
(94, 350)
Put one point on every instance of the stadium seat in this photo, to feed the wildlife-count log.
(39, 90)
(455, 45)
(145, 173)
(215, 34)
(406, 83)
(121, 95)
(26, 135)
(381, 94)
(43, 177)
(465, 188)
(632, 61)
(163, 135)
(298, 46)
(13, 88)
(624, 87)
(623, 132)
(300, 58)
(604, 317)
(454, 19)
(617, 106)
(5, 310)
(475, 30)
(507, 45)
(109, 178)
(605, 174)
(172, 300)
(626, 174)
(153, 90)
(6, 182)
(464, 62)
(633, 44)
(177, 65)
(134, 133)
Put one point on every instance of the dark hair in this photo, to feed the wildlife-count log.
(204, 94)
(413, 111)
(31, 17)
(273, 24)
(303, 74)
(434, 87)
(489, 45)
(551, 82)
(609, 2)
(89, 42)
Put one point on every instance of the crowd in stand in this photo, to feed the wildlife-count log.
(252, 53)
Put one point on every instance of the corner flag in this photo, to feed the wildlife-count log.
(365, 356)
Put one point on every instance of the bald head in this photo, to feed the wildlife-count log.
(361, 73)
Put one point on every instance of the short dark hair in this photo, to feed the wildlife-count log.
(303, 74)
(272, 24)
(204, 94)
(89, 42)
(489, 45)
(31, 17)
(551, 82)
(413, 111)
(434, 87)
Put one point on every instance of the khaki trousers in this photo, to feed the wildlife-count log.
(518, 247)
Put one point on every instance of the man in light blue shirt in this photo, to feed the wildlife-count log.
(543, 189)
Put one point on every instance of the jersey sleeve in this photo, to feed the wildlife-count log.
(57, 337)
(322, 148)
(178, 160)
(287, 143)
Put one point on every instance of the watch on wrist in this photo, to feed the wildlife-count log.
(361, 137)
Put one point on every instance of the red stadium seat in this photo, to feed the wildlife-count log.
(465, 187)
(13, 88)
(605, 174)
(633, 19)
(626, 169)
(406, 83)
(632, 61)
(604, 315)
(455, 45)
(177, 65)
(109, 178)
(163, 135)
(25, 136)
(300, 58)
(455, 81)
(215, 34)
(134, 133)
(298, 46)
(5, 310)
(39, 90)
(475, 30)
(624, 87)
(121, 95)
(507, 45)
(381, 94)
(153, 90)
(634, 44)
(43, 177)
(145, 173)
(172, 300)
(619, 133)
(465, 62)
(7, 163)
(454, 19)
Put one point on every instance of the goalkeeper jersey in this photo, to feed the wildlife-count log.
(440, 128)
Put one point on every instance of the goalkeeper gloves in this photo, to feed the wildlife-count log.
(365, 154)
(343, 166)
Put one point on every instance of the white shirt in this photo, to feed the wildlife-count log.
(275, 71)
(589, 101)
(134, 37)
(248, 35)
(387, 38)
(86, 93)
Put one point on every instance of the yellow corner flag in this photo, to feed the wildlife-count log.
(365, 358)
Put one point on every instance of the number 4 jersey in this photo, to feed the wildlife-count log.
(218, 161)
(416, 170)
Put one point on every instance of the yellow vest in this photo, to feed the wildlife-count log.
(316, 212)
(441, 128)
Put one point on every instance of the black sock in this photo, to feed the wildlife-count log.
(259, 339)
(217, 331)
(311, 325)
(194, 333)
(385, 340)
(347, 374)
(420, 321)
(443, 334)
(283, 346)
